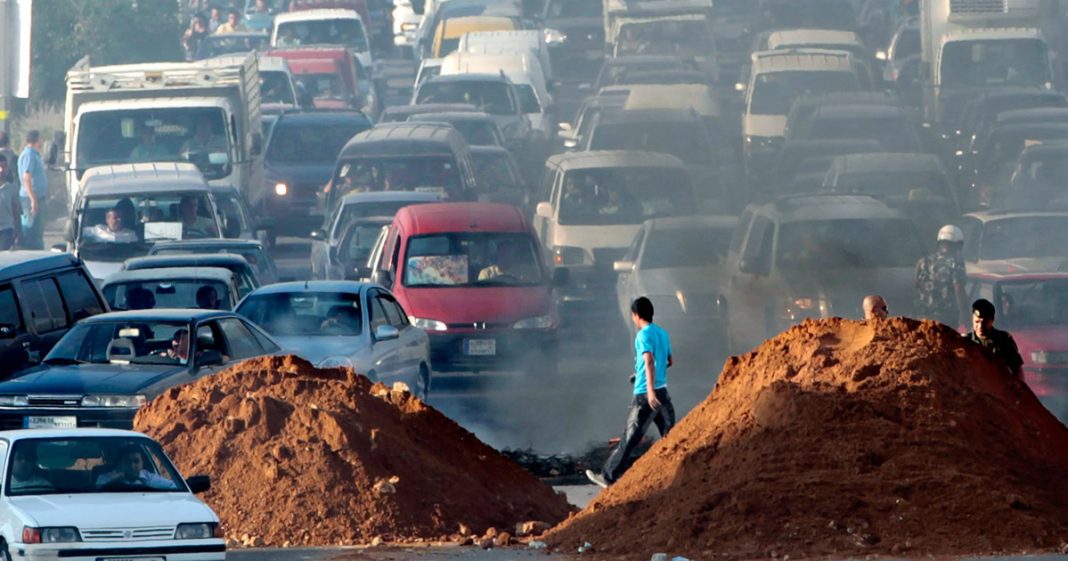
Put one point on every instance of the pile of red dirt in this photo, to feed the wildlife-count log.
(299, 455)
(847, 438)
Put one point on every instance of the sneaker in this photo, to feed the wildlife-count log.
(597, 479)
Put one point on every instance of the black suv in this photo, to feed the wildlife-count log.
(42, 294)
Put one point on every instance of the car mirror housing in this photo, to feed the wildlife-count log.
(199, 484)
(623, 266)
(386, 333)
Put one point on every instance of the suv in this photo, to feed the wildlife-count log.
(41, 295)
(813, 256)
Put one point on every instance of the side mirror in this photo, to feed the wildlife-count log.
(751, 267)
(386, 333)
(571, 143)
(881, 55)
(199, 484)
(564, 126)
(544, 210)
(8, 331)
(256, 145)
(317, 235)
(561, 277)
(623, 266)
(210, 358)
(384, 278)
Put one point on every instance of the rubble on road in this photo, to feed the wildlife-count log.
(321, 457)
(845, 438)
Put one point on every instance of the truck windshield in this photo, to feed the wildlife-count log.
(428, 174)
(620, 196)
(178, 134)
(774, 92)
(995, 62)
(338, 31)
(114, 228)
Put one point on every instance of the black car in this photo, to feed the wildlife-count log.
(42, 294)
(298, 161)
(108, 366)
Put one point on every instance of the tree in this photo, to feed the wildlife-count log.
(110, 31)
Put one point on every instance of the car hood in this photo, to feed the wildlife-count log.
(687, 280)
(316, 349)
(124, 510)
(490, 304)
(764, 125)
(83, 379)
(301, 173)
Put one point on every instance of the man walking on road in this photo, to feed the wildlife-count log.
(940, 279)
(651, 402)
(998, 342)
(33, 192)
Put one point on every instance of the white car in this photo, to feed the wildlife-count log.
(93, 494)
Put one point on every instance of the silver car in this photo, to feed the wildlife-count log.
(344, 324)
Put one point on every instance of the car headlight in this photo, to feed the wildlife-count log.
(281, 189)
(409, 26)
(428, 324)
(14, 401)
(64, 534)
(554, 36)
(336, 362)
(567, 255)
(135, 401)
(536, 322)
(200, 531)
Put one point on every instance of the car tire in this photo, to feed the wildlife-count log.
(423, 390)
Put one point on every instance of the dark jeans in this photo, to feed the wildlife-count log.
(33, 237)
(637, 423)
(7, 239)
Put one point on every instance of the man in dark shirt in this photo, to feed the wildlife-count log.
(998, 342)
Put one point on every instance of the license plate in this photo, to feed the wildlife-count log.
(50, 422)
(480, 347)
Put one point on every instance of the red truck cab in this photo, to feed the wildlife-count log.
(328, 75)
(472, 275)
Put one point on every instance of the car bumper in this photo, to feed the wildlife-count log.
(450, 351)
(200, 550)
(118, 418)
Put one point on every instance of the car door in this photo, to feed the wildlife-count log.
(412, 342)
(386, 355)
(626, 283)
(42, 313)
(14, 336)
(746, 302)
(238, 341)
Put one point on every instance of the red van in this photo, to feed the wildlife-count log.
(330, 76)
(472, 275)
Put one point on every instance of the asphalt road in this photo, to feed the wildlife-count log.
(442, 553)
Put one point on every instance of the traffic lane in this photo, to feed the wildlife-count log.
(427, 553)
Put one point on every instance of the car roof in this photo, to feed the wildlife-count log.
(1031, 113)
(82, 432)
(859, 111)
(128, 179)
(159, 314)
(226, 260)
(700, 97)
(399, 113)
(692, 222)
(312, 15)
(887, 161)
(453, 116)
(487, 150)
(219, 243)
(793, 208)
(802, 36)
(1023, 277)
(348, 287)
(594, 159)
(319, 118)
(15, 264)
(801, 60)
(649, 115)
(1045, 148)
(218, 274)
(389, 196)
(461, 217)
(472, 77)
(991, 215)
(404, 138)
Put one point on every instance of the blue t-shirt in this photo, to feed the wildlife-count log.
(651, 339)
(30, 162)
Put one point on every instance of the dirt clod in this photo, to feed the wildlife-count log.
(864, 438)
(365, 462)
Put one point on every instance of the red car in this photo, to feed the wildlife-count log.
(330, 76)
(1033, 307)
(473, 276)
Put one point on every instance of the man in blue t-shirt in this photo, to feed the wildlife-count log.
(651, 402)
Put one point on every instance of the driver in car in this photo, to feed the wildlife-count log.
(24, 471)
(179, 347)
(203, 141)
(130, 471)
(113, 229)
(508, 266)
(193, 224)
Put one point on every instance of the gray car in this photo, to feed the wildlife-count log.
(344, 324)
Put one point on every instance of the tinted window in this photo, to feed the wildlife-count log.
(686, 141)
(379, 317)
(40, 298)
(9, 311)
(307, 143)
(79, 295)
(1035, 236)
(690, 247)
(774, 92)
(394, 314)
(240, 340)
(849, 243)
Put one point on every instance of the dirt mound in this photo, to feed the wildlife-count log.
(322, 457)
(846, 438)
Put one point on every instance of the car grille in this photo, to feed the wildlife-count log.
(55, 400)
(127, 534)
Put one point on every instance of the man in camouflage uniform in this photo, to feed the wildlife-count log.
(940, 279)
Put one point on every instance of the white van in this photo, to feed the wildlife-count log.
(319, 28)
(509, 42)
(524, 71)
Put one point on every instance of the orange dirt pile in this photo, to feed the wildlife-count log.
(849, 438)
(300, 455)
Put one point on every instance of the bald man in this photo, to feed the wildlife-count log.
(874, 307)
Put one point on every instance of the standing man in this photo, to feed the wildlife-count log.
(10, 208)
(875, 307)
(940, 279)
(998, 342)
(651, 402)
(33, 191)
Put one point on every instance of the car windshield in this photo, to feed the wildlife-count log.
(227, 44)
(322, 86)
(305, 314)
(495, 172)
(492, 97)
(340, 31)
(685, 247)
(565, 9)
(995, 62)
(168, 293)
(79, 465)
(911, 185)
(318, 143)
(462, 259)
(115, 228)
(908, 44)
(675, 37)
(1032, 303)
(684, 140)
(617, 196)
(774, 92)
(124, 342)
(180, 134)
(477, 133)
(425, 174)
(1025, 236)
(848, 244)
(275, 87)
(893, 134)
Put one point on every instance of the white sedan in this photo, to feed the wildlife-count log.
(100, 494)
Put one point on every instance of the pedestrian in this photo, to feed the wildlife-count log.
(194, 35)
(874, 307)
(232, 23)
(651, 402)
(33, 191)
(9, 155)
(940, 279)
(998, 342)
(10, 208)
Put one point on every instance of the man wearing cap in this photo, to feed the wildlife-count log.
(998, 342)
(940, 279)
